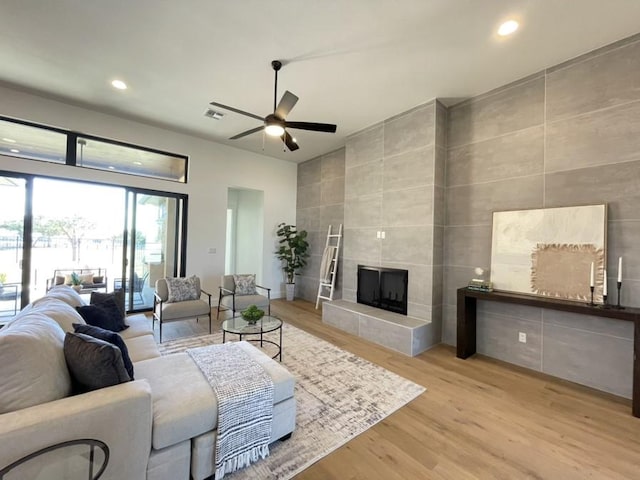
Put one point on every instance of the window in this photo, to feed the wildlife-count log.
(104, 155)
(34, 143)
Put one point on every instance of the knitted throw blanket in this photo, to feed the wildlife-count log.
(245, 405)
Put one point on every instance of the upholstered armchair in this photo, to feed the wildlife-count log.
(180, 299)
(237, 292)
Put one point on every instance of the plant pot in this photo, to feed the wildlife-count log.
(290, 290)
(77, 288)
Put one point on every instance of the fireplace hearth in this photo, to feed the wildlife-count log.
(384, 288)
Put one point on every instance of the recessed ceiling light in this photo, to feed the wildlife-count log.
(15, 150)
(507, 28)
(9, 140)
(119, 84)
(137, 163)
(295, 140)
(111, 167)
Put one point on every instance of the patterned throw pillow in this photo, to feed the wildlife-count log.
(245, 284)
(182, 289)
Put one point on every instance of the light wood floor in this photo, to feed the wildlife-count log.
(479, 419)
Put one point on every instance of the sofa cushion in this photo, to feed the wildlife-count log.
(63, 313)
(183, 402)
(32, 365)
(98, 298)
(243, 301)
(142, 348)
(108, 336)
(105, 315)
(180, 310)
(66, 294)
(192, 409)
(139, 325)
(93, 363)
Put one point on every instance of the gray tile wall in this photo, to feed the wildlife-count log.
(567, 136)
(394, 182)
(320, 204)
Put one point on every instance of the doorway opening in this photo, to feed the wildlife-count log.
(245, 227)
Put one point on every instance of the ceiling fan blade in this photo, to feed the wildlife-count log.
(241, 112)
(248, 132)
(315, 127)
(287, 102)
(288, 140)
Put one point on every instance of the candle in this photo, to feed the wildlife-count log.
(591, 278)
(619, 269)
(604, 286)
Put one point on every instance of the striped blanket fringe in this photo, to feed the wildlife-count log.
(242, 460)
(245, 405)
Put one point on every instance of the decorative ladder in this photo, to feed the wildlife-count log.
(333, 240)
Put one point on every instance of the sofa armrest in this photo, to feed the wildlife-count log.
(120, 416)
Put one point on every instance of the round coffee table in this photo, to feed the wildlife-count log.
(266, 324)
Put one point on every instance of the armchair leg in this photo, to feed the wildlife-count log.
(209, 322)
(160, 323)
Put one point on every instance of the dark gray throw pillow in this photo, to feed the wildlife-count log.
(111, 337)
(93, 363)
(117, 296)
(105, 315)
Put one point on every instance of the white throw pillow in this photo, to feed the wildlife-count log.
(64, 314)
(32, 365)
(66, 294)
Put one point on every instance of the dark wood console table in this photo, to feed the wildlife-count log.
(466, 323)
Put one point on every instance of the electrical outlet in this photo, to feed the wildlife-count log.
(522, 337)
(212, 250)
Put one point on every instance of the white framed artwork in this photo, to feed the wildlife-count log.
(549, 251)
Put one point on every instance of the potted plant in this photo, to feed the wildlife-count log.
(76, 283)
(252, 314)
(293, 252)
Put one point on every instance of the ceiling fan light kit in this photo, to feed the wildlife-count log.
(276, 124)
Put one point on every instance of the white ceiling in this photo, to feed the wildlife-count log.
(351, 62)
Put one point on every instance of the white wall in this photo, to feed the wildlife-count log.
(213, 168)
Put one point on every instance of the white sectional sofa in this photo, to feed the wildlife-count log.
(161, 426)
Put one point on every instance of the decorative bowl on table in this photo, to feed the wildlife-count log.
(252, 314)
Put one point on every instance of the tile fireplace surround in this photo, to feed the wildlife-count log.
(408, 335)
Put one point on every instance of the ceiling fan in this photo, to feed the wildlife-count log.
(276, 124)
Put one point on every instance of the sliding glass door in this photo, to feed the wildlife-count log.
(13, 195)
(77, 226)
(127, 238)
(154, 236)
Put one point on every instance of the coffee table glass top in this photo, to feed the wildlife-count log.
(240, 326)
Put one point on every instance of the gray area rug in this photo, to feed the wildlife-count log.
(338, 395)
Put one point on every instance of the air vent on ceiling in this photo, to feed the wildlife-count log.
(209, 112)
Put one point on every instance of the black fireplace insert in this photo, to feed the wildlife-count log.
(384, 288)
